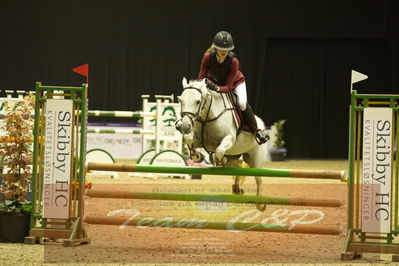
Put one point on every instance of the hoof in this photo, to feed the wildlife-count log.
(217, 162)
(261, 207)
(237, 190)
(219, 154)
(198, 157)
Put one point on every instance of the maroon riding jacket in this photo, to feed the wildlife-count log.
(226, 75)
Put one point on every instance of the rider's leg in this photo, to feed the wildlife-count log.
(241, 93)
(260, 134)
(249, 117)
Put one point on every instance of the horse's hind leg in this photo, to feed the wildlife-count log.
(233, 161)
(239, 180)
(255, 159)
(237, 185)
(258, 179)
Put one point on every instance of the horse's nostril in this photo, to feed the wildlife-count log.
(186, 128)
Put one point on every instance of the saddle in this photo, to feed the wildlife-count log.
(230, 103)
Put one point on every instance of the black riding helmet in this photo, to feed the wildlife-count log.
(223, 41)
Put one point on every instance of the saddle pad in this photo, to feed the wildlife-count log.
(229, 100)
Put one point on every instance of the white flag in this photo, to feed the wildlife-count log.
(357, 76)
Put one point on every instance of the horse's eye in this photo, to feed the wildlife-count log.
(198, 102)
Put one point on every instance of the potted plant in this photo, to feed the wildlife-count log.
(278, 152)
(16, 154)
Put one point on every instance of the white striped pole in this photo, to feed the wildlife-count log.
(107, 113)
(120, 113)
(119, 131)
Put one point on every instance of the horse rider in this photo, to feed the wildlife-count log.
(221, 69)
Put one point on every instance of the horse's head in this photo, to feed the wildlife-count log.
(192, 102)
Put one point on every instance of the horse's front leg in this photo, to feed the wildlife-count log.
(226, 143)
(189, 139)
(195, 153)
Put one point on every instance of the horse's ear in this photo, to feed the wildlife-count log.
(184, 83)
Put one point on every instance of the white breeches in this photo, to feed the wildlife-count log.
(241, 92)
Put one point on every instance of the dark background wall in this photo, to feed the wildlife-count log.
(296, 55)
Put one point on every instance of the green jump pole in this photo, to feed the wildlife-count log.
(214, 198)
(199, 170)
(189, 224)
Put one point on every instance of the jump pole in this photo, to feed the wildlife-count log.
(214, 198)
(104, 113)
(314, 174)
(119, 131)
(188, 224)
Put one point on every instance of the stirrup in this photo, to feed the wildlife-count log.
(261, 136)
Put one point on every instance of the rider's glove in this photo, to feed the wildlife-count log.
(211, 85)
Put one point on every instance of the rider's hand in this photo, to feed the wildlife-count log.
(211, 85)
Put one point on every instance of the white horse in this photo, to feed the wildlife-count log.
(207, 124)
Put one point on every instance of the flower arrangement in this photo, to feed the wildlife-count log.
(279, 141)
(278, 152)
(17, 156)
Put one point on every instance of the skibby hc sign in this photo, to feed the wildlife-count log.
(377, 170)
(57, 158)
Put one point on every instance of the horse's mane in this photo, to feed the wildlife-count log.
(196, 83)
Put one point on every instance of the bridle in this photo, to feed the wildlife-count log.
(197, 115)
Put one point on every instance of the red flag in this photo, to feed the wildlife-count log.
(83, 70)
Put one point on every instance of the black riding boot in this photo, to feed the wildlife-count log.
(261, 135)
